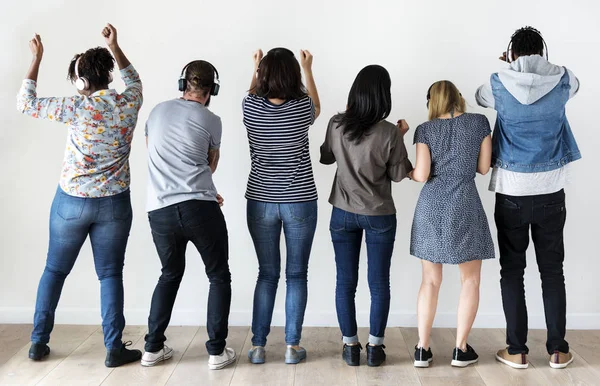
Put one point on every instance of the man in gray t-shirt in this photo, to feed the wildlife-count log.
(183, 139)
(182, 135)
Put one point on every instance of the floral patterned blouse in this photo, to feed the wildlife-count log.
(100, 131)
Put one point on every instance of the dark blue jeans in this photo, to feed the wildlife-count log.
(107, 220)
(202, 223)
(346, 233)
(265, 220)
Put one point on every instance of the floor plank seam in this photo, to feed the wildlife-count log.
(239, 356)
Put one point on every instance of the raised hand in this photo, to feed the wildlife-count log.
(110, 35)
(36, 47)
(403, 126)
(306, 59)
(257, 56)
(503, 57)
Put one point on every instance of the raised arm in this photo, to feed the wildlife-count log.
(257, 56)
(306, 60)
(110, 36)
(56, 109)
(398, 165)
(133, 83)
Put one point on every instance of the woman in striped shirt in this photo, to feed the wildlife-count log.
(281, 189)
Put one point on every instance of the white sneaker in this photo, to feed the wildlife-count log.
(217, 362)
(154, 358)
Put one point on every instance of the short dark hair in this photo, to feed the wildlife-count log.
(95, 65)
(527, 41)
(279, 76)
(369, 102)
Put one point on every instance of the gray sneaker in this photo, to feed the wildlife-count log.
(293, 356)
(257, 355)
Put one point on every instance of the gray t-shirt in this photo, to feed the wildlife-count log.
(180, 133)
(365, 171)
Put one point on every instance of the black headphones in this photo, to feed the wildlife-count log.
(214, 86)
(524, 29)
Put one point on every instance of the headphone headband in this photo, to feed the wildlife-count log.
(519, 31)
(215, 85)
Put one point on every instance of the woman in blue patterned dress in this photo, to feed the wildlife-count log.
(450, 225)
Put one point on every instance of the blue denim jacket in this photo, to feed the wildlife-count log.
(535, 137)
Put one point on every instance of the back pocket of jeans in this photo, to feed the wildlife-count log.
(70, 208)
(381, 224)
(121, 207)
(255, 210)
(507, 214)
(555, 215)
(301, 212)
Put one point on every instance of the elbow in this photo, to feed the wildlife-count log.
(317, 111)
(483, 170)
(419, 176)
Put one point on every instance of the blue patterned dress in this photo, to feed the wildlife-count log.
(450, 225)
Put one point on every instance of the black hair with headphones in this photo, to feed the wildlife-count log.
(523, 36)
(214, 86)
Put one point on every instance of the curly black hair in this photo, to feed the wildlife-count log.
(95, 65)
(527, 41)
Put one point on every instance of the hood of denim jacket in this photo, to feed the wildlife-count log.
(530, 78)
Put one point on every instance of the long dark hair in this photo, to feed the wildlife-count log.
(279, 76)
(95, 65)
(369, 101)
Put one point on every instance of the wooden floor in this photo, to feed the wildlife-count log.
(77, 358)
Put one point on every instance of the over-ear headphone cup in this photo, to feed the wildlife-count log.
(215, 89)
(110, 78)
(82, 84)
(182, 84)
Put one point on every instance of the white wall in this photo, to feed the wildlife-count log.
(419, 42)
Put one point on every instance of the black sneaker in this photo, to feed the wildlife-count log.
(375, 355)
(464, 358)
(121, 356)
(423, 358)
(351, 354)
(38, 351)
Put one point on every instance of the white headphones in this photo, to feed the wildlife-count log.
(83, 84)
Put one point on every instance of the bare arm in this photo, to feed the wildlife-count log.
(306, 59)
(422, 169)
(213, 159)
(110, 35)
(485, 156)
(257, 56)
(37, 51)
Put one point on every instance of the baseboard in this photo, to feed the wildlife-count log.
(577, 321)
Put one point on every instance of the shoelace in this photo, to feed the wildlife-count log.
(126, 344)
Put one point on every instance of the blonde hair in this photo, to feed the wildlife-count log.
(443, 97)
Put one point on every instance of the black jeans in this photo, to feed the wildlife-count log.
(545, 215)
(202, 223)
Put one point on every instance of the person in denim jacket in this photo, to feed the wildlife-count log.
(532, 148)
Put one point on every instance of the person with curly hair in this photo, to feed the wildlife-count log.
(93, 195)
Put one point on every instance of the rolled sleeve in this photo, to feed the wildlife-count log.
(484, 96)
(398, 165)
(327, 156)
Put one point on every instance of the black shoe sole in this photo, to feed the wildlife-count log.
(377, 364)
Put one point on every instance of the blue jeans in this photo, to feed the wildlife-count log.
(346, 234)
(107, 220)
(265, 220)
